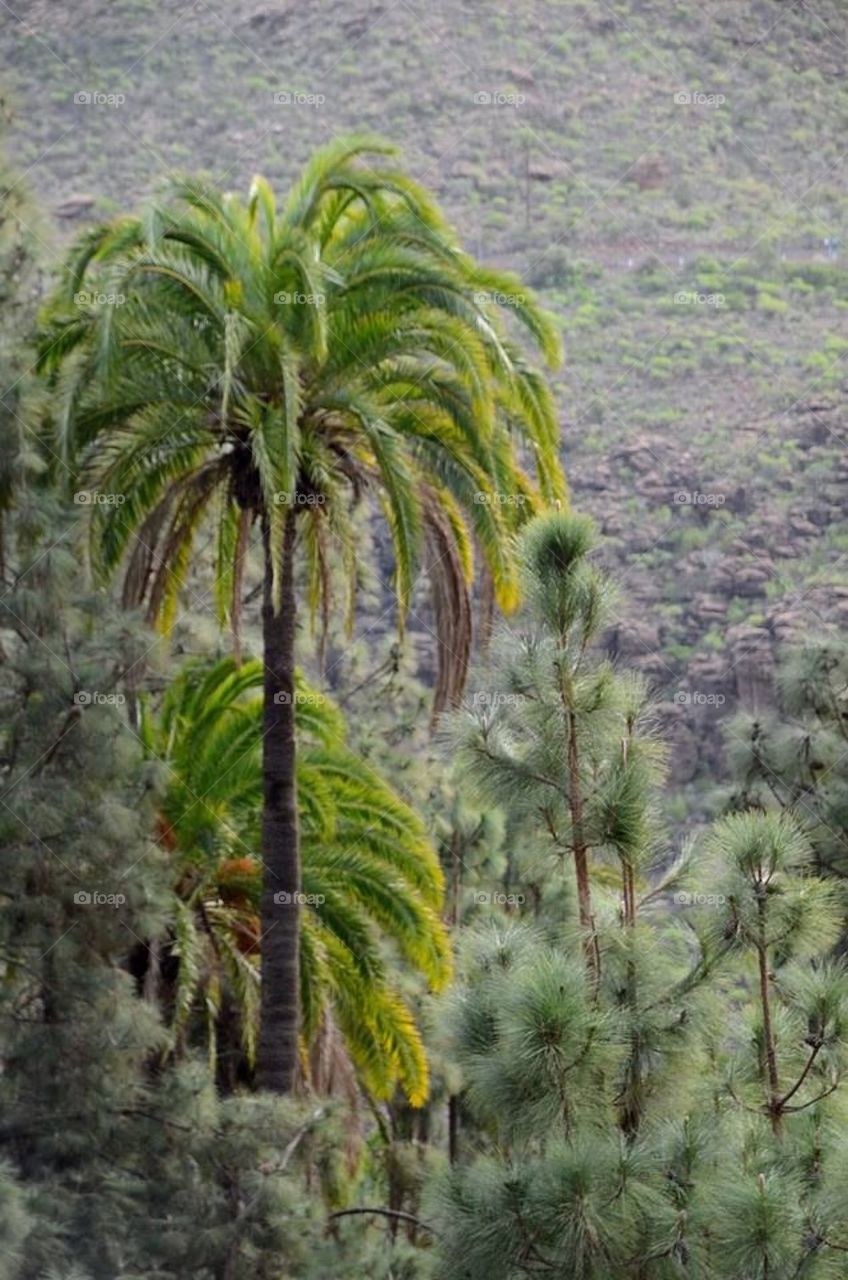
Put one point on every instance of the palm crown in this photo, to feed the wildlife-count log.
(258, 358)
(369, 874)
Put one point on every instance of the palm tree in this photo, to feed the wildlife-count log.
(369, 873)
(254, 365)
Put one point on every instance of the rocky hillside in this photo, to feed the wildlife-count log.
(670, 174)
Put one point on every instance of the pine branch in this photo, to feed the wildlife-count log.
(810, 1060)
(395, 1214)
(819, 1098)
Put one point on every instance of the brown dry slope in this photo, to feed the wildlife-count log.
(669, 173)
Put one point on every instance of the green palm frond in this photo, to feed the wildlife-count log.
(188, 949)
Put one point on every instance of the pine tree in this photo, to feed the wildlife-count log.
(111, 1164)
(567, 743)
(794, 757)
(21, 235)
(667, 1102)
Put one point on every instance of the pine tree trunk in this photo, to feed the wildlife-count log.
(456, 876)
(277, 1058)
(581, 854)
(453, 1128)
(633, 1091)
(774, 1106)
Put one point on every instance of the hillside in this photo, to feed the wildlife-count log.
(623, 167)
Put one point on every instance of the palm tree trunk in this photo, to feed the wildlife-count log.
(238, 582)
(279, 1026)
